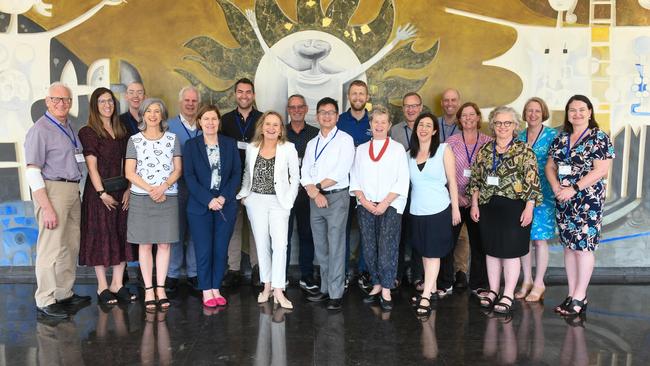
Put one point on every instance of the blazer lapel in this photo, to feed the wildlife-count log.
(203, 152)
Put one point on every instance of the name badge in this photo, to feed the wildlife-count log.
(493, 181)
(80, 158)
(313, 171)
(564, 170)
(241, 145)
(467, 173)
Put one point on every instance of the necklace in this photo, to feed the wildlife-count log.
(381, 152)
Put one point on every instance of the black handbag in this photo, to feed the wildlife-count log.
(118, 183)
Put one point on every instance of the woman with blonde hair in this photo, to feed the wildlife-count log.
(269, 188)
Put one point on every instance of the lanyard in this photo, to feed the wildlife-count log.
(536, 138)
(196, 132)
(316, 156)
(470, 156)
(568, 144)
(71, 137)
(496, 162)
(246, 125)
(408, 138)
(444, 134)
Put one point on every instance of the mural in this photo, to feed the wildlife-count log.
(503, 53)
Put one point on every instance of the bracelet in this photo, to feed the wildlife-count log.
(575, 187)
(99, 193)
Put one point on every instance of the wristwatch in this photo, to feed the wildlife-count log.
(575, 187)
(99, 193)
(319, 187)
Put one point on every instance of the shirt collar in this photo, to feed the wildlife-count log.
(329, 135)
(187, 124)
(47, 113)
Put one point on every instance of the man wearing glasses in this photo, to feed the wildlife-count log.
(53, 155)
(135, 94)
(325, 176)
(299, 133)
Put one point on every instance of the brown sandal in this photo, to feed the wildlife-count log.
(524, 290)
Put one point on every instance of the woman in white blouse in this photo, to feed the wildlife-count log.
(380, 181)
(269, 188)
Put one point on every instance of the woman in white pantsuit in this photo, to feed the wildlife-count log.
(269, 188)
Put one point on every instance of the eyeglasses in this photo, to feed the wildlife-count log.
(105, 101)
(135, 92)
(296, 107)
(57, 100)
(412, 106)
(503, 123)
(327, 113)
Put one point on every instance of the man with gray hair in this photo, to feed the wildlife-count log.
(185, 127)
(53, 156)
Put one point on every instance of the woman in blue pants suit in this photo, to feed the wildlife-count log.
(212, 171)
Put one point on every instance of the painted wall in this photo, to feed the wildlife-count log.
(494, 52)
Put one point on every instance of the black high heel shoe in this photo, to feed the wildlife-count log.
(560, 308)
(570, 310)
(150, 306)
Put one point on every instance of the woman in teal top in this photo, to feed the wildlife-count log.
(539, 138)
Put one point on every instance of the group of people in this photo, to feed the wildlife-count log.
(193, 187)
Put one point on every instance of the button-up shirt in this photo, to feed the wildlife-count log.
(358, 129)
(332, 160)
(129, 123)
(234, 125)
(301, 138)
(446, 131)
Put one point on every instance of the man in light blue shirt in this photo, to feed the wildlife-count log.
(448, 124)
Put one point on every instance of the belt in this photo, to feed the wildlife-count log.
(64, 180)
(334, 191)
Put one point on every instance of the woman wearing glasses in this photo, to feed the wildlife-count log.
(212, 172)
(579, 159)
(504, 189)
(153, 165)
(104, 207)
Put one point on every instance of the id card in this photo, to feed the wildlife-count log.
(493, 181)
(564, 170)
(241, 145)
(467, 173)
(79, 158)
(313, 171)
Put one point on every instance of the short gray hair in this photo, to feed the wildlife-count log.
(59, 84)
(145, 105)
(188, 88)
(378, 110)
(516, 118)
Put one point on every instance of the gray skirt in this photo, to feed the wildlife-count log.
(150, 222)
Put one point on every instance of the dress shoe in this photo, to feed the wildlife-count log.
(210, 303)
(371, 299)
(365, 282)
(309, 285)
(221, 301)
(320, 297)
(231, 279)
(334, 304)
(52, 311)
(264, 297)
(255, 276)
(461, 280)
(386, 305)
(193, 282)
(74, 300)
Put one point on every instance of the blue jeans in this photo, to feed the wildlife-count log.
(181, 253)
(300, 211)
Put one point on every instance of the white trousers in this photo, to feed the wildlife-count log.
(270, 224)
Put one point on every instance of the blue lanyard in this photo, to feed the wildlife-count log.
(408, 139)
(470, 156)
(496, 162)
(444, 134)
(316, 156)
(71, 137)
(536, 138)
(246, 125)
(196, 132)
(568, 144)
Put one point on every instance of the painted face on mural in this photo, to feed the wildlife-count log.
(59, 102)
(106, 105)
(412, 108)
(189, 103)
(134, 95)
(312, 49)
(450, 102)
(297, 109)
(561, 5)
(244, 95)
(358, 97)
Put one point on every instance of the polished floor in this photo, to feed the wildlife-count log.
(616, 332)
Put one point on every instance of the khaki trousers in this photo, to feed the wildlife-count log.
(461, 253)
(241, 235)
(57, 250)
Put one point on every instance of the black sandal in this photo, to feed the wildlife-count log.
(490, 302)
(106, 297)
(150, 305)
(164, 304)
(507, 307)
(563, 306)
(415, 300)
(123, 295)
(421, 311)
(570, 310)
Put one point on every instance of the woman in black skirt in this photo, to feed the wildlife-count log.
(504, 187)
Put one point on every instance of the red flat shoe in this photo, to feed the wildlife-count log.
(221, 301)
(210, 303)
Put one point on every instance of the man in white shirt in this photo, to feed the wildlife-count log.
(185, 127)
(325, 176)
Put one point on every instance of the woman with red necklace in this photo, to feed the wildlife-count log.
(434, 208)
(380, 181)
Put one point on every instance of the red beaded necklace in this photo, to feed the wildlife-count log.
(381, 152)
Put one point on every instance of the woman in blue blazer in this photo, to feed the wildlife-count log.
(212, 172)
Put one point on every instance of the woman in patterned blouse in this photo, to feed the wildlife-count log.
(504, 187)
(269, 188)
(579, 159)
